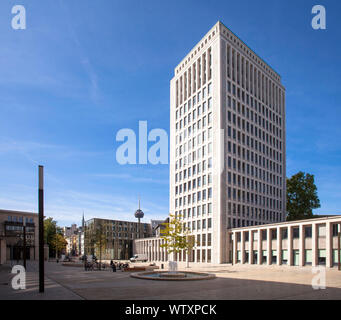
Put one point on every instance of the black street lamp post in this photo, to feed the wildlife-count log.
(24, 242)
(41, 229)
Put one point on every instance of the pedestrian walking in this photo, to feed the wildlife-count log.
(113, 266)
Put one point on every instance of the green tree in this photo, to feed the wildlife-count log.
(176, 236)
(51, 233)
(59, 243)
(100, 241)
(301, 196)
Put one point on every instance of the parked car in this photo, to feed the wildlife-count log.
(139, 257)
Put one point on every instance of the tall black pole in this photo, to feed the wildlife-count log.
(24, 243)
(41, 228)
(339, 247)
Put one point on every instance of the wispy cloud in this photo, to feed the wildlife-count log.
(129, 177)
(33, 150)
(67, 206)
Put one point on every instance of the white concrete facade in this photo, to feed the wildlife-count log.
(296, 243)
(227, 142)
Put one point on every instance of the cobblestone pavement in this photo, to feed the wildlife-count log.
(232, 282)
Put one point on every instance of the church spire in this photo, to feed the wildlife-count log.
(83, 221)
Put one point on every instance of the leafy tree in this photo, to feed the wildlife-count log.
(59, 243)
(51, 233)
(96, 239)
(176, 237)
(301, 196)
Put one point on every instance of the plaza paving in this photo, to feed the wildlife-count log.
(232, 282)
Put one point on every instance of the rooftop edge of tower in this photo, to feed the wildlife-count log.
(219, 29)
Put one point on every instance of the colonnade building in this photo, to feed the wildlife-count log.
(296, 243)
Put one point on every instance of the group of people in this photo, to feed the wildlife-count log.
(118, 265)
(88, 266)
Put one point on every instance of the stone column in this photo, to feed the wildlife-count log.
(250, 246)
(268, 247)
(314, 244)
(301, 245)
(259, 258)
(242, 247)
(329, 251)
(234, 247)
(279, 246)
(290, 255)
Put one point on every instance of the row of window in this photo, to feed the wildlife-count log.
(321, 233)
(199, 182)
(196, 99)
(244, 73)
(196, 255)
(246, 153)
(254, 171)
(194, 211)
(251, 142)
(250, 213)
(234, 179)
(19, 219)
(273, 126)
(251, 197)
(193, 170)
(262, 215)
(234, 95)
(19, 228)
(194, 197)
(197, 74)
(307, 258)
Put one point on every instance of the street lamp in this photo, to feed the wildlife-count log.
(339, 246)
(24, 242)
(56, 244)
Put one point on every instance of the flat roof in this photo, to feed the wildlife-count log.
(5, 211)
(287, 222)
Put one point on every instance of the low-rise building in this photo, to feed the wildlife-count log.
(295, 243)
(12, 236)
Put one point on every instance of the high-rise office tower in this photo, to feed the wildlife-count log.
(227, 144)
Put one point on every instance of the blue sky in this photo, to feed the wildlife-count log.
(82, 70)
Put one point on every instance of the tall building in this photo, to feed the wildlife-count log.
(227, 142)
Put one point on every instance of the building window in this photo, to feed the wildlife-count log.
(308, 257)
(208, 255)
(336, 227)
(274, 234)
(239, 256)
(273, 256)
(209, 239)
(246, 257)
(284, 256)
(255, 257)
(322, 256)
(296, 232)
(284, 233)
(321, 231)
(307, 231)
